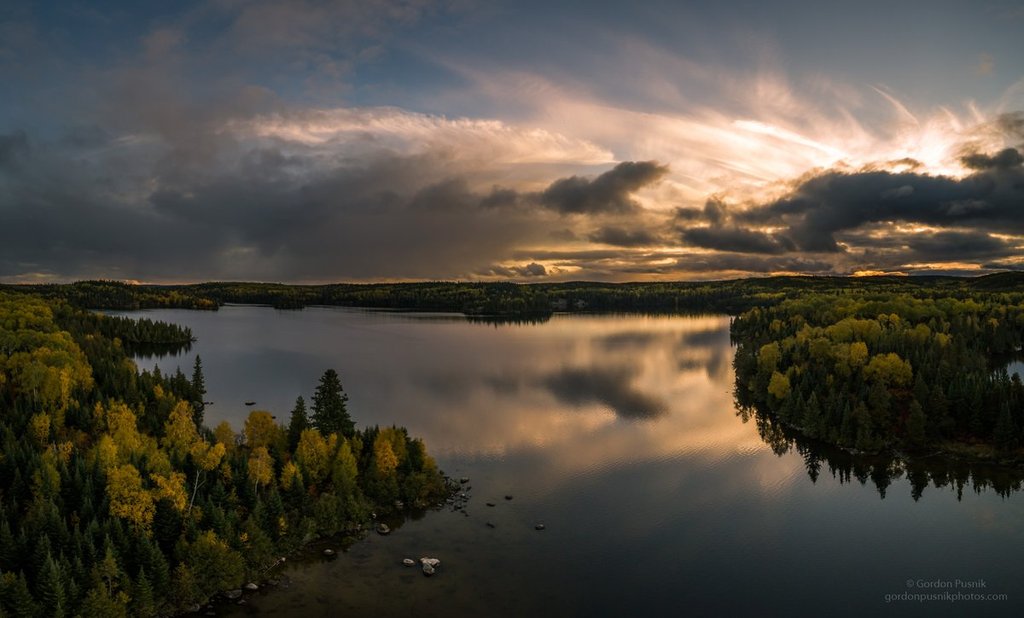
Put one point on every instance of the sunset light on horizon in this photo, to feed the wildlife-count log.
(394, 140)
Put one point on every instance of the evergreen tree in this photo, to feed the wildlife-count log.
(917, 423)
(330, 414)
(298, 423)
(198, 391)
(52, 590)
(15, 595)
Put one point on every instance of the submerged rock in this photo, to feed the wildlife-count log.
(491, 525)
(464, 480)
(490, 504)
(539, 527)
(233, 594)
(508, 497)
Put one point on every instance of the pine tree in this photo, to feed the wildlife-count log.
(917, 424)
(198, 391)
(1005, 433)
(330, 413)
(299, 422)
(142, 598)
(51, 589)
(17, 599)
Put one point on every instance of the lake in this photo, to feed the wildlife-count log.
(620, 434)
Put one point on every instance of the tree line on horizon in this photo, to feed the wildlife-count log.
(507, 299)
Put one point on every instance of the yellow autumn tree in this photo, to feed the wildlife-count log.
(170, 487)
(180, 431)
(206, 457)
(224, 434)
(261, 429)
(291, 476)
(313, 455)
(344, 470)
(129, 500)
(39, 428)
(106, 452)
(123, 428)
(260, 467)
(384, 459)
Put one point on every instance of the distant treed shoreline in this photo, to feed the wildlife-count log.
(513, 299)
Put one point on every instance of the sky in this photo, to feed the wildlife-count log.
(386, 140)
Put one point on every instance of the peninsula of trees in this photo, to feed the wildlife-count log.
(115, 500)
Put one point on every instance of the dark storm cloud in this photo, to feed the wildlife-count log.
(815, 211)
(610, 192)
(620, 237)
(612, 387)
(736, 239)
(722, 234)
(959, 246)
(532, 269)
(270, 215)
(1004, 159)
(735, 262)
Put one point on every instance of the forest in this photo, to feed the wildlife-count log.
(916, 371)
(505, 299)
(116, 499)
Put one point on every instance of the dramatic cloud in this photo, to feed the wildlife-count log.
(611, 192)
(620, 237)
(820, 207)
(736, 239)
(412, 139)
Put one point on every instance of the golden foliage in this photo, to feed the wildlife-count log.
(129, 500)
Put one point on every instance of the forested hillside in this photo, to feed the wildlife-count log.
(114, 498)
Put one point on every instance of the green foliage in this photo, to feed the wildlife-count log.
(904, 367)
(330, 409)
(298, 423)
(116, 501)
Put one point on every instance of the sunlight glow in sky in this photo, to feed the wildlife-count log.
(394, 140)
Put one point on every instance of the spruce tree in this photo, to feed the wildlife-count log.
(298, 423)
(198, 391)
(330, 414)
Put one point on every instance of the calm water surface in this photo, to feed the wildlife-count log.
(620, 434)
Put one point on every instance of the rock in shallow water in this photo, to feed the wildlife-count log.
(428, 570)
(408, 562)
